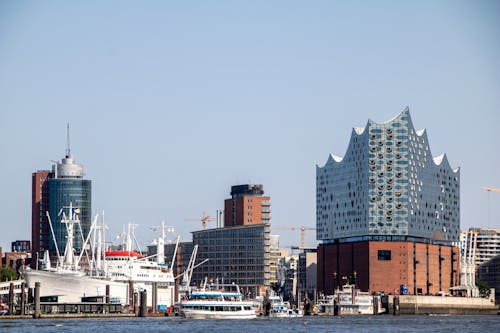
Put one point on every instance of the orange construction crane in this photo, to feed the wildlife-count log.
(302, 230)
(204, 219)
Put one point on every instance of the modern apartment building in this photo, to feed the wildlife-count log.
(484, 243)
(388, 213)
(274, 258)
(240, 251)
(239, 254)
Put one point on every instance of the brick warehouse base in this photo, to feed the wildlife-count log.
(383, 266)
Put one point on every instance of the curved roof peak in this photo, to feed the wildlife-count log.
(420, 132)
(439, 159)
(405, 111)
(336, 158)
(359, 130)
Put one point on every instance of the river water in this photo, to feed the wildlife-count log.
(380, 324)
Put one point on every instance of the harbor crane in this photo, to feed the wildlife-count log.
(302, 230)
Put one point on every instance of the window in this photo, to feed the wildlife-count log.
(384, 254)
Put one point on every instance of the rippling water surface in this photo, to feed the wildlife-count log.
(383, 324)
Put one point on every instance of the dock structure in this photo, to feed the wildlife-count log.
(14, 293)
(440, 305)
(5, 287)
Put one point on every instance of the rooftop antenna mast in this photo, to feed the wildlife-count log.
(68, 150)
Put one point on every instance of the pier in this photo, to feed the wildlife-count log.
(26, 303)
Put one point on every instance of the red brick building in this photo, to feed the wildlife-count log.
(246, 206)
(379, 266)
(39, 206)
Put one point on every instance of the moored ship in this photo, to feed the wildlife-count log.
(220, 301)
(116, 275)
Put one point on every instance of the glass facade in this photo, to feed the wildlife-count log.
(237, 254)
(62, 192)
(388, 184)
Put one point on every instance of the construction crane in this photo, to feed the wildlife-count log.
(302, 230)
(491, 189)
(204, 219)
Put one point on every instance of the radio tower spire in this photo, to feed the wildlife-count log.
(68, 150)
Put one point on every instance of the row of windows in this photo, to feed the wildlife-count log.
(217, 308)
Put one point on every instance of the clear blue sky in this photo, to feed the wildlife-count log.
(171, 103)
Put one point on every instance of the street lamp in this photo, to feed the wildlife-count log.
(334, 281)
(355, 276)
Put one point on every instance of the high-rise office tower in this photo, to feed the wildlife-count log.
(66, 187)
(247, 205)
(388, 213)
(54, 191)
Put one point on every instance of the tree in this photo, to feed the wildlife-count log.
(484, 288)
(7, 274)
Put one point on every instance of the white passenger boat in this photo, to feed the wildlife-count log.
(283, 310)
(351, 301)
(216, 302)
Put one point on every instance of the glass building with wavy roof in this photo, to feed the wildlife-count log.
(388, 188)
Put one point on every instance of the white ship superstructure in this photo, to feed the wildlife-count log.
(130, 266)
(67, 282)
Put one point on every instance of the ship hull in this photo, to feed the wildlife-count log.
(71, 287)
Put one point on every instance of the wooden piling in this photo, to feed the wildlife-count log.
(107, 294)
(131, 294)
(375, 305)
(396, 308)
(143, 311)
(11, 298)
(154, 296)
(36, 314)
(23, 298)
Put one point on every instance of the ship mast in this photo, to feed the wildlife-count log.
(70, 222)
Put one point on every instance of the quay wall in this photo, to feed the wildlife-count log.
(421, 305)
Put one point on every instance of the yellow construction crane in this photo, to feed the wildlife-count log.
(302, 230)
(204, 219)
